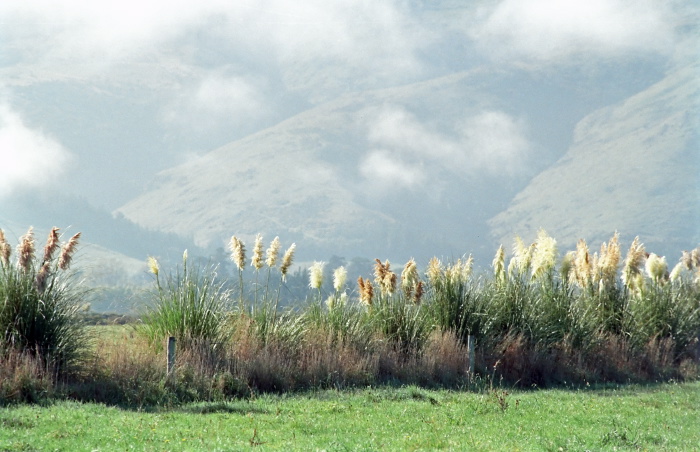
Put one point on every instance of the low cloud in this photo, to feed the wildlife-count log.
(406, 152)
(216, 99)
(495, 142)
(28, 158)
(552, 30)
(384, 169)
(369, 36)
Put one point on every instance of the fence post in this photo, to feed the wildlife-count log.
(470, 347)
(171, 355)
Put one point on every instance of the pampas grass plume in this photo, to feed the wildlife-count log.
(656, 268)
(567, 265)
(272, 253)
(67, 252)
(522, 257)
(237, 252)
(434, 271)
(51, 245)
(384, 277)
(340, 276)
(609, 261)
(582, 264)
(5, 249)
(287, 261)
(631, 272)
(676, 272)
(409, 277)
(545, 255)
(257, 260)
(316, 275)
(25, 250)
(153, 265)
(420, 290)
(366, 291)
(498, 265)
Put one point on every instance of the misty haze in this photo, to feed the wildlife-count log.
(356, 130)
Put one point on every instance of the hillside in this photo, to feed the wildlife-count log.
(632, 167)
(364, 175)
(337, 179)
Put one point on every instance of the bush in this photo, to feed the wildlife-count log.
(191, 305)
(41, 303)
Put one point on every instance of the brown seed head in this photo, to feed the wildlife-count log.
(366, 291)
(51, 245)
(25, 251)
(67, 252)
(419, 292)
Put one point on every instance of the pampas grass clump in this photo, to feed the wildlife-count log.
(41, 302)
(190, 304)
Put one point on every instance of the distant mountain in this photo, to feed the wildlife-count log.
(633, 167)
(100, 228)
(97, 265)
(313, 179)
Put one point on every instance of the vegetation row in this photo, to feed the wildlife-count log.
(537, 318)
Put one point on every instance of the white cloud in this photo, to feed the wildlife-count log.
(28, 158)
(495, 142)
(382, 168)
(402, 149)
(551, 30)
(215, 100)
(103, 33)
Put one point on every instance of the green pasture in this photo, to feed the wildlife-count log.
(655, 417)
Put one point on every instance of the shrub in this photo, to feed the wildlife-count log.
(190, 305)
(41, 302)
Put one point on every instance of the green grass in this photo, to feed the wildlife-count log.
(662, 417)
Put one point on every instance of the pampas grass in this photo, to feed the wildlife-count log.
(385, 279)
(366, 291)
(656, 268)
(191, 304)
(257, 260)
(544, 256)
(25, 251)
(5, 250)
(498, 265)
(543, 324)
(316, 275)
(631, 274)
(67, 252)
(272, 253)
(40, 304)
(340, 276)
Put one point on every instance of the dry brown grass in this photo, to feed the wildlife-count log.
(23, 378)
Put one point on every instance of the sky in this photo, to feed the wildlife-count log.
(96, 97)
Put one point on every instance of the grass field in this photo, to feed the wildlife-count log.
(657, 417)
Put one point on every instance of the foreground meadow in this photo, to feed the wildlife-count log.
(658, 417)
